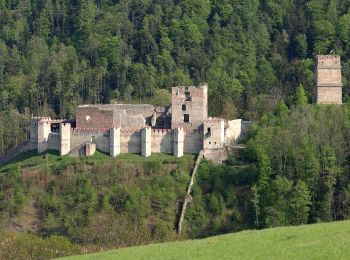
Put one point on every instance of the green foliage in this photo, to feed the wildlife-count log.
(98, 200)
(29, 246)
(294, 171)
(302, 164)
(56, 55)
(300, 98)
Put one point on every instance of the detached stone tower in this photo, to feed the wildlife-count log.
(328, 80)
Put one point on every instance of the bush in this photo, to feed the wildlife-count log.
(29, 246)
(153, 167)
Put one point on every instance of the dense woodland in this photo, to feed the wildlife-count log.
(258, 59)
(294, 171)
(56, 54)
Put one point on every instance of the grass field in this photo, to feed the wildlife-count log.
(52, 158)
(319, 241)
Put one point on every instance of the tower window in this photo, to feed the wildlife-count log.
(186, 118)
(188, 96)
(183, 107)
(209, 130)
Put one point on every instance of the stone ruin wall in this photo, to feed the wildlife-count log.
(328, 80)
(54, 141)
(236, 131)
(81, 137)
(329, 95)
(193, 142)
(119, 115)
(162, 141)
(195, 106)
(97, 118)
(130, 141)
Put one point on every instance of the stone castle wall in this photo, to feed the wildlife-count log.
(236, 130)
(193, 142)
(54, 141)
(118, 115)
(190, 102)
(93, 117)
(329, 95)
(79, 138)
(130, 141)
(328, 80)
(162, 141)
(22, 148)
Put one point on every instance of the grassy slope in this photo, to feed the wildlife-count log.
(34, 160)
(320, 241)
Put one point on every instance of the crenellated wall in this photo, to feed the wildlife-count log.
(130, 141)
(80, 137)
(162, 141)
(54, 141)
(127, 128)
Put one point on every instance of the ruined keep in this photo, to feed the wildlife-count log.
(328, 89)
(141, 129)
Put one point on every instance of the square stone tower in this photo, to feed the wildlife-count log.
(189, 107)
(329, 85)
(214, 133)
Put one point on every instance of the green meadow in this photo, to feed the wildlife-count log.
(318, 241)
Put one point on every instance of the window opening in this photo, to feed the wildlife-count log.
(188, 96)
(186, 118)
(183, 107)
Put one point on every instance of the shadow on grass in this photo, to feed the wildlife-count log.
(29, 158)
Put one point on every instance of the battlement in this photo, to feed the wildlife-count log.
(328, 61)
(90, 130)
(47, 120)
(214, 120)
(135, 128)
(161, 131)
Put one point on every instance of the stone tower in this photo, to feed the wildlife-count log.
(189, 107)
(328, 88)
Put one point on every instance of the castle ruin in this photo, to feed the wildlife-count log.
(141, 129)
(328, 89)
(145, 129)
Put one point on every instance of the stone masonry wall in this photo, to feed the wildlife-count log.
(162, 141)
(92, 117)
(79, 138)
(328, 80)
(189, 101)
(130, 141)
(329, 95)
(193, 142)
(236, 130)
(117, 115)
(54, 141)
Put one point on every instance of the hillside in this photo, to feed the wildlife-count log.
(57, 54)
(95, 202)
(318, 241)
